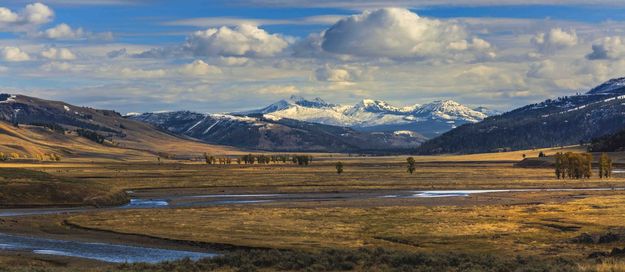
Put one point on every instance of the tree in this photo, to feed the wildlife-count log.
(339, 168)
(558, 166)
(605, 166)
(411, 165)
(541, 154)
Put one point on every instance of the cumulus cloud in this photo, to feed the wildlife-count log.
(554, 40)
(608, 48)
(240, 41)
(397, 33)
(199, 68)
(32, 15)
(65, 32)
(13, 54)
(58, 54)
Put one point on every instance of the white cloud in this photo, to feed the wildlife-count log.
(199, 68)
(397, 33)
(243, 40)
(554, 40)
(65, 32)
(58, 54)
(13, 54)
(608, 48)
(28, 18)
(37, 13)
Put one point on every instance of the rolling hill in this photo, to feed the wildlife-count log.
(33, 127)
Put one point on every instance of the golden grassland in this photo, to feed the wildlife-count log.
(139, 144)
(506, 230)
(360, 173)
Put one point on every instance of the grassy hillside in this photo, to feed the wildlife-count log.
(32, 128)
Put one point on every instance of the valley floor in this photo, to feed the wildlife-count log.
(554, 228)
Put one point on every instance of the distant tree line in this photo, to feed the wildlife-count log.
(40, 157)
(259, 159)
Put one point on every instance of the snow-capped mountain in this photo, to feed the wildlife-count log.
(269, 132)
(553, 122)
(374, 115)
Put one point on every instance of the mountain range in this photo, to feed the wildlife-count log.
(554, 122)
(268, 132)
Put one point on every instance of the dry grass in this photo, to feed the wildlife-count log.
(360, 173)
(539, 230)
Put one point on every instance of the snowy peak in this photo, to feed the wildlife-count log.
(615, 85)
(375, 106)
(450, 110)
(315, 103)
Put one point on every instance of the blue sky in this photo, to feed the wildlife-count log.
(219, 56)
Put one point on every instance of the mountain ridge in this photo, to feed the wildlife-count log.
(429, 119)
(553, 122)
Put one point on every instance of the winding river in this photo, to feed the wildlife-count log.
(119, 253)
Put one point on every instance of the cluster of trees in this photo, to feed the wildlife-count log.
(40, 157)
(605, 166)
(216, 160)
(91, 135)
(573, 165)
(260, 159)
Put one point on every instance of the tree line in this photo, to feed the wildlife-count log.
(303, 160)
(40, 157)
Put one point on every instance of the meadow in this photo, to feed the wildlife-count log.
(503, 231)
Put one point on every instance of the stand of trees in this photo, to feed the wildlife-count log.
(605, 166)
(573, 165)
(91, 135)
(260, 159)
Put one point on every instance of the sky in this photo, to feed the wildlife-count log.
(232, 55)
